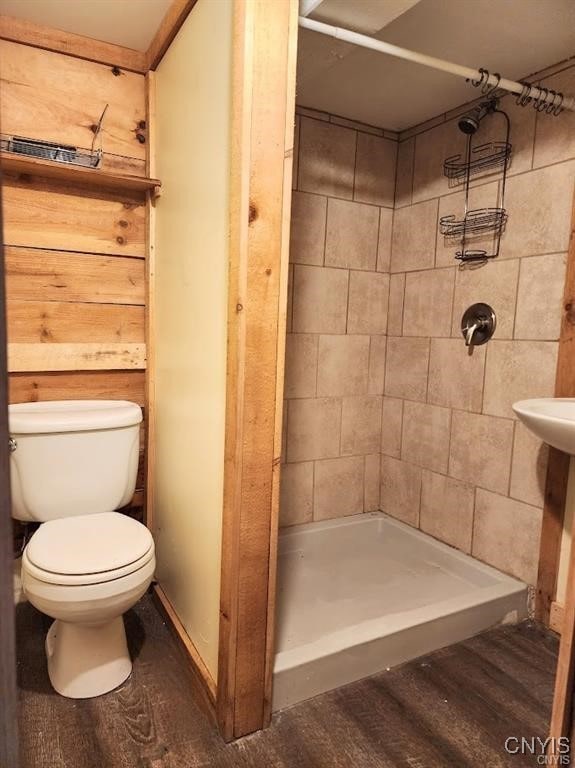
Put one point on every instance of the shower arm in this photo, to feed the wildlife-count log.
(538, 94)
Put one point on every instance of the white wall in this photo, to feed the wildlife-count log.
(193, 87)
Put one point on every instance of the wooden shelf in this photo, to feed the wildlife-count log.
(20, 165)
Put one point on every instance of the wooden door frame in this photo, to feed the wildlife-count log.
(263, 109)
(9, 757)
(553, 517)
(546, 609)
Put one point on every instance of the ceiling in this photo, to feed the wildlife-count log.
(131, 23)
(513, 37)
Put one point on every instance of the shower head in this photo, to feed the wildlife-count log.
(469, 123)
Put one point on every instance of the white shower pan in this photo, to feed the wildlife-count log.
(360, 594)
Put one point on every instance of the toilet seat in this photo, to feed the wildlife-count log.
(89, 549)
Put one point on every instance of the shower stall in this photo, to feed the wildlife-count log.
(411, 497)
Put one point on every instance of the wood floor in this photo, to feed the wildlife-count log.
(454, 708)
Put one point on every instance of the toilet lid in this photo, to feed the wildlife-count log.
(89, 544)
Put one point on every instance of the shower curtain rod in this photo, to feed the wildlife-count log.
(539, 95)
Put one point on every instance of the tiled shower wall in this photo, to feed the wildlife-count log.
(455, 461)
(342, 211)
(375, 310)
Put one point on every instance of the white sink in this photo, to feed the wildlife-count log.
(552, 419)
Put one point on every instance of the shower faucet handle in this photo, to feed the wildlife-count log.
(478, 324)
(470, 330)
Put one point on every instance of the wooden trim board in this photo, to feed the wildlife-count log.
(49, 39)
(282, 330)
(150, 305)
(94, 178)
(75, 357)
(262, 108)
(168, 29)
(9, 757)
(21, 31)
(562, 713)
(558, 464)
(201, 672)
(556, 617)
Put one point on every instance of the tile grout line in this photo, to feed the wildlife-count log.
(355, 166)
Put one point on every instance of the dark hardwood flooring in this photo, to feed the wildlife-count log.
(454, 708)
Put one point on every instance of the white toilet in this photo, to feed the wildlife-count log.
(72, 463)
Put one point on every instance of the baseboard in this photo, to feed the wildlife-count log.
(206, 683)
(556, 617)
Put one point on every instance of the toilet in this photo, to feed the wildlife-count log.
(72, 463)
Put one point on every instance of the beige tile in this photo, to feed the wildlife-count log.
(391, 426)
(320, 300)
(295, 168)
(413, 239)
(384, 241)
(396, 300)
(352, 233)
(522, 134)
(555, 136)
(456, 375)
(318, 114)
(360, 425)
(314, 428)
(343, 365)
(338, 488)
(364, 127)
(432, 148)
(300, 365)
(484, 196)
(539, 206)
(425, 435)
(494, 283)
(528, 467)
(376, 376)
(517, 370)
(540, 297)
(428, 302)
(406, 368)
(296, 493)
(447, 510)
(367, 306)
(308, 221)
(371, 483)
(375, 170)
(506, 535)
(426, 125)
(326, 158)
(480, 451)
(400, 490)
(404, 179)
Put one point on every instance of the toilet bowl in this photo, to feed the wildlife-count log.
(72, 464)
(85, 572)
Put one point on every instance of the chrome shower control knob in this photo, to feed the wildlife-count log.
(478, 324)
(12, 445)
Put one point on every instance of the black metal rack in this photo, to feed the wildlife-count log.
(479, 160)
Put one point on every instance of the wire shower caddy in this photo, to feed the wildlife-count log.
(478, 160)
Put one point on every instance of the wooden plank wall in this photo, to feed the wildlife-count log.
(75, 258)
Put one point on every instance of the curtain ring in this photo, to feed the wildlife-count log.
(551, 104)
(525, 96)
(541, 102)
(559, 108)
(488, 90)
(482, 73)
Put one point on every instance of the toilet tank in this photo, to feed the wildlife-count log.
(72, 457)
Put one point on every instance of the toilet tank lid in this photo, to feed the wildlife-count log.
(71, 416)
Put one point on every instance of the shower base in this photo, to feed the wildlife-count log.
(360, 594)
